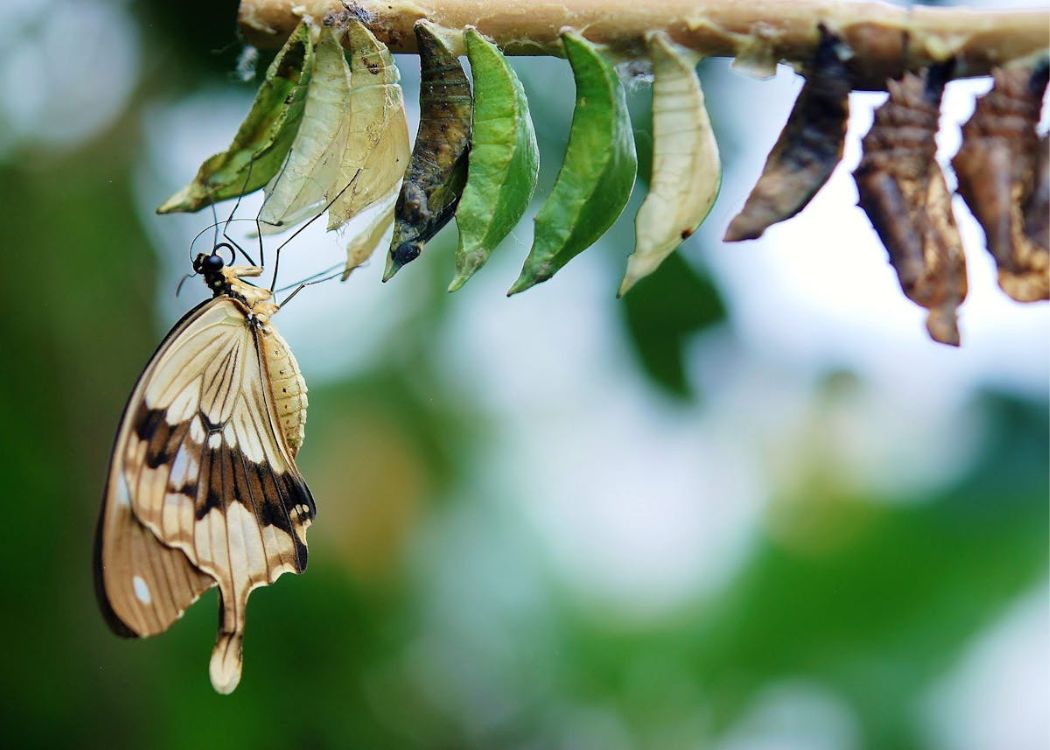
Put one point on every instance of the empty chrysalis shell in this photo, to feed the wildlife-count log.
(808, 149)
(362, 244)
(264, 138)
(504, 160)
(1037, 207)
(377, 135)
(437, 170)
(686, 172)
(308, 178)
(1002, 169)
(597, 174)
(902, 189)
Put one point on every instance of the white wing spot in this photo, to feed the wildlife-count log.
(214, 440)
(197, 431)
(123, 496)
(141, 590)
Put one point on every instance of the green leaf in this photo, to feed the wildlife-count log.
(376, 148)
(504, 158)
(686, 172)
(309, 176)
(663, 312)
(597, 174)
(437, 171)
(262, 142)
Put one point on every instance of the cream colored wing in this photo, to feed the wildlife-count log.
(142, 585)
(208, 474)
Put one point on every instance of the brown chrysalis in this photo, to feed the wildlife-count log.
(903, 192)
(1002, 174)
(808, 149)
(1037, 209)
(437, 171)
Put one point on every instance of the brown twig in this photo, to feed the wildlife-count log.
(885, 39)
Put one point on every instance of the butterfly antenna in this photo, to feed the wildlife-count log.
(207, 229)
(240, 194)
(215, 240)
(305, 284)
(310, 279)
(234, 243)
(229, 219)
(259, 222)
(319, 214)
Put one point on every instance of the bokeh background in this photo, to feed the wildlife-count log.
(752, 506)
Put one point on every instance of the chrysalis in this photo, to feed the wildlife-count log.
(597, 174)
(1037, 210)
(686, 173)
(1002, 177)
(366, 241)
(376, 149)
(309, 176)
(504, 161)
(263, 139)
(902, 189)
(437, 170)
(808, 149)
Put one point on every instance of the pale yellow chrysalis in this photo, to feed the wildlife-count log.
(309, 176)
(377, 135)
(686, 170)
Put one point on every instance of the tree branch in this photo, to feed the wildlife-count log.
(886, 39)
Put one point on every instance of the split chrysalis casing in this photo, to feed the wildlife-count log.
(1002, 170)
(903, 191)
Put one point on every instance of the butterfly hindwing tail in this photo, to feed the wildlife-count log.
(203, 485)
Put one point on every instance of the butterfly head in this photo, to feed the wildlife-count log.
(211, 266)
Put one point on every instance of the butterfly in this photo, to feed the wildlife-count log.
(203, 489)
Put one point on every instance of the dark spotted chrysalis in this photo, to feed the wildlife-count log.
(437, 170)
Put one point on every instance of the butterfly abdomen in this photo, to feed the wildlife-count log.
(287, 387)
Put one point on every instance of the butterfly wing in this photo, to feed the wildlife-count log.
(208, 474)
(142, 585)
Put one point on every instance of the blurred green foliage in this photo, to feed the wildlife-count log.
(663, 313)
(391, 640)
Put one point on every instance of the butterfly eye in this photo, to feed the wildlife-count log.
(213, 262)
